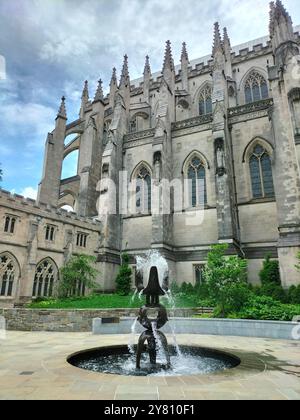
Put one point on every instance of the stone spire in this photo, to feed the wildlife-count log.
(113, 87)
(226, 40)
(272, 16)
(184, 53)
(227, 52)
(62, 113)
(125, 80)
(184, 68)
(99, 93)
(147, 68)
(281, 25)
(147, 77)
(84, 99)
(85, 92)
(217, 45)
(168, 60)
(114, 80)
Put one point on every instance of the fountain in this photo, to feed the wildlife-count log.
(153, 316)
(165, 360)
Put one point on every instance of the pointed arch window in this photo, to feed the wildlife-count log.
(8, 275)
(50, 233)
(256, 88)
(106, 132)
(205, 101)
(9, 224)
(143, 190)
(196, 175)
(294, 97)
(46, 276)
(133, 125)
(261, 173)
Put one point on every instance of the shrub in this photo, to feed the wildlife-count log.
(274, 291)
(298, 265)
(187, 288)
(266, 308)
(175, 288)
(77, 275)
(270, 280)
(226, 279)
(123, 280)
(201, 290)
(206, 303)
(270, 272)
(294, 295)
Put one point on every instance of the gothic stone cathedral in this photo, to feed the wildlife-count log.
(229, 125)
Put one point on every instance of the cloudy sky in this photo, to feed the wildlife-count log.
(52, 46)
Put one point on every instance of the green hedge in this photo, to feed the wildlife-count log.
(266, 308)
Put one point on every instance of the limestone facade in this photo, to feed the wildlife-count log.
(226, 129)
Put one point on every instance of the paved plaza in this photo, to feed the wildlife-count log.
(34, 366)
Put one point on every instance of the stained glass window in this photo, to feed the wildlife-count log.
(197, 183)
(143, 191)
(106, 132)
(46, 276)
(205, 101)
(256, 88)
(81, 240)
(9, 224)
(261, 173)
(199, 273)
(50, 231)
(8, 271)
(133, 125)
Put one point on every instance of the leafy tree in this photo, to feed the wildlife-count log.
(187, 288)
(175, 288)
(266, 308)
(123, 280)
(226, 278)
(298, 265)
(270, 280)
(1, 173)
(294, 295)
(270, 272)
(77, 275)
(202, 290)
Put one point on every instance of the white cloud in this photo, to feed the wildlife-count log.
(29, 192)
(68, 208)
(31, 120)
(5, 150)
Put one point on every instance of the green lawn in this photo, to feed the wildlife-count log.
(108, 302)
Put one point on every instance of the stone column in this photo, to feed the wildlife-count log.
(54, 152)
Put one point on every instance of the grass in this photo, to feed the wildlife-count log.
(112, 301)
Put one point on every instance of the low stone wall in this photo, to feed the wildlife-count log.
(67, 320)
(224, 327)
(6, 303)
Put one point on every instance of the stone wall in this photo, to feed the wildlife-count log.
(277, 330)
(68, 320)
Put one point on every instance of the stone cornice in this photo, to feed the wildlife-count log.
(192, 122)
(200, 254)
(138, 143)
(139, 135)
(250, 111)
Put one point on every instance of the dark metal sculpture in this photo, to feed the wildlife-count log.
(152, 316)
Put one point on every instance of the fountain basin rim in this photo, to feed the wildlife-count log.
(236, 360)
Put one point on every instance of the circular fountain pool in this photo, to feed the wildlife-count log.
(119, 361)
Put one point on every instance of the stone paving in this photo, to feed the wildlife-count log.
(33, 366)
